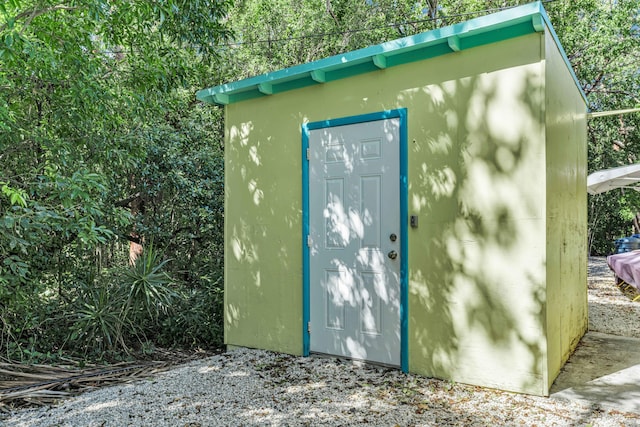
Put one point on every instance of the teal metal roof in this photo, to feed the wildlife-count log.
(488, 29)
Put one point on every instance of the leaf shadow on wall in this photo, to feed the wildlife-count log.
(261, 240)
(477, 264)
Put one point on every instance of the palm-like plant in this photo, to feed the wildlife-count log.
(147, 286)
(98, 324)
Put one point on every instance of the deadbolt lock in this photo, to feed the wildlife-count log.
(393, 237)
(392, 255)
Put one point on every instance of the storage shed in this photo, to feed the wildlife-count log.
(419, 203)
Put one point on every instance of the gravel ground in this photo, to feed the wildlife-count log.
(610, 311)
(253, 387)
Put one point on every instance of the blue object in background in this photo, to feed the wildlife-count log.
(627, 244)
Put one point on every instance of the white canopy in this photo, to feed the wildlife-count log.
(610, 179)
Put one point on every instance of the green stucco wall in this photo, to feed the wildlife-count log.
(566, 134)
(477, 163)
(263, 255)
(477, 263)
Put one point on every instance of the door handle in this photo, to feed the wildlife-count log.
(392, 255)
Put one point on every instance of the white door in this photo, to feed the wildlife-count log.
(354, 226)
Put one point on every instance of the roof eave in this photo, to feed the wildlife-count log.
(499, 26)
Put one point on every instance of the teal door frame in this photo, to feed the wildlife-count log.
(400, 113)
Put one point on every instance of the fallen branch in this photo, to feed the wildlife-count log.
(24, 385)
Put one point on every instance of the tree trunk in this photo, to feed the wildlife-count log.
(135, 241)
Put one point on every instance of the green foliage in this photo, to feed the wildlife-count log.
(92, 93)
(15, 196)
(610, 218)
(198, 317)
(601, 40)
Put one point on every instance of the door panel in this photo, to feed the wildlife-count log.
(354, 206)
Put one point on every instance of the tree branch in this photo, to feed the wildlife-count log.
(606, 91)
(330, 12)
(133, 239)
(125, 202)
(30, 15)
